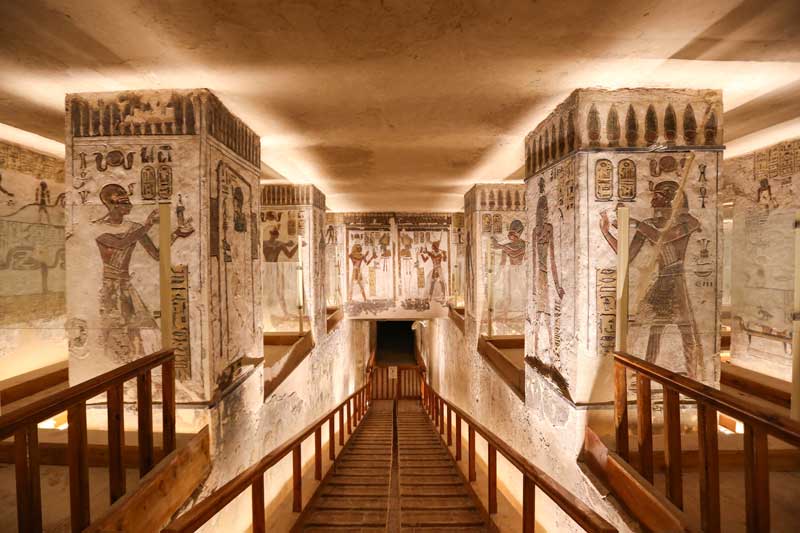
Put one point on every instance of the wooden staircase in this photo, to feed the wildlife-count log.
(434, 496)
(355, 494)
(395, 474)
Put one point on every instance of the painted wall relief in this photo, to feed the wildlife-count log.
(673, 256)
(32, 260)
(114, 306)
(497, 240)
(424, 268)
(283, 234)
(764, 189)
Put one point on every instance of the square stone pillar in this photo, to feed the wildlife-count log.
(657, 152)
(292, 235)
(126, 153)
(496, 239)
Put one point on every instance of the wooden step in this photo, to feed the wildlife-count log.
(449, 518)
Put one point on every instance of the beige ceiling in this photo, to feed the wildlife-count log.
(398, 104)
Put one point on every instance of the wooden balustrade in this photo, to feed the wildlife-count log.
(533, 477)
(758, 424)
(22, 424)
(355, 406)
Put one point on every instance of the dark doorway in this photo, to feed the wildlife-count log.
(395, 343)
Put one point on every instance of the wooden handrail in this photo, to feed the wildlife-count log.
(533, 476)
(781, 427)
(58, 402)
(201, 513)
(758, 425)
(22, 424)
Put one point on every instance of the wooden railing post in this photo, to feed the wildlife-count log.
(528, 505)
(297, 480)
(471, 453)
(458, 437)
(168, 406)
(78, 456)
(144, 394)
(29, 495)
(644, 408)
(116, 441)
(672, 447)
(449, 426)
(332, 437)
(621, 411)
(259, 518)
(708, 468)
(341, 426)
(350, 416)
(756, 481)
(492, 479)
(441, 415)
(318, 454)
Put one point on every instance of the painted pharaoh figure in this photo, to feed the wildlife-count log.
(276, 278)
(544, 261)
(666, 302)
(437, 257)
(122, 311)
(511, 275)
(357, 259)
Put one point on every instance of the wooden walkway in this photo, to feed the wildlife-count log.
(395, 475)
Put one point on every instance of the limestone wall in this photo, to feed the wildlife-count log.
(32, 261)
(763, 186)
(247, 427)
(126, 153)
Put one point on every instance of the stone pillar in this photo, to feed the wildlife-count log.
(764, 187)
(127, 152)
(496, 238)
(293, 225)
(658, 152)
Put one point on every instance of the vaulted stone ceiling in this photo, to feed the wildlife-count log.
(397, 104)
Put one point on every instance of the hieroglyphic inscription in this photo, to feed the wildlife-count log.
(626, 180)
(179, 290)
(606, 310)
(603, 176)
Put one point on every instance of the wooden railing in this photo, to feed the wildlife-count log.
(404, 386)
(353, 409)
(22, 424)
(441, 412)
(758, 424)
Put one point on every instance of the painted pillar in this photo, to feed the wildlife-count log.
(292, 237)
(126, 153)
(497, 238)
(658, 152)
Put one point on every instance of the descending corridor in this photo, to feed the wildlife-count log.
(394, 456)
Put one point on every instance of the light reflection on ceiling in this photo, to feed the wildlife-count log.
(400, 105)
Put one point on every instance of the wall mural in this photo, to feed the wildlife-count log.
(390, 265)
(764, 188)
(32, 258)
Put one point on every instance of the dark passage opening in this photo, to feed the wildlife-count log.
(395, 344)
